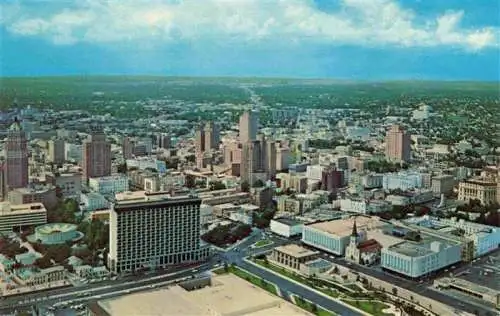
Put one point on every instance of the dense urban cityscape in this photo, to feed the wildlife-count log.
(183, 196)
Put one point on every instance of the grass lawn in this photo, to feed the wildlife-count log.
(311, 307)
(354, 287)
(253, 279)
(263, 243)
(372, 307)
(299, 278)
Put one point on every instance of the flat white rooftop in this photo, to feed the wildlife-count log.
(30, 208)
(143, 196)
(343, 227)
(296, 251)
(228, 295)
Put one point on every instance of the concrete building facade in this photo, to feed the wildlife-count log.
(154, 230)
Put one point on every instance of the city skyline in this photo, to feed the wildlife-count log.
(344, 39)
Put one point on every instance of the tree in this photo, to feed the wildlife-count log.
(122, 168)
(395, 291)
(217, 185)
(43, 262)
(58, 253)
(245, 186)
(258, 184)
(314, 308)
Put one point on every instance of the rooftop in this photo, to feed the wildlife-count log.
(6, 208)
(482, 182)
(288, 221)
(343, 227)
(295, 251)
(427, 245)
(138, 197)
(464, 284)
(228, 295)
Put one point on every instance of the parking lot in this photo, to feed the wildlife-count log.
(485, 272)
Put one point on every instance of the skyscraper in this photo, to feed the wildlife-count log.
(96, 156)
(128, 148)
(56, 151)
(212, 137)
(163, 141)
(271, 158)
(200, 140)
(150, 230)
(397, 144)
(249, 125)
(16, 157)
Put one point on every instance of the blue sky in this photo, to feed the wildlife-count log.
(350, 39)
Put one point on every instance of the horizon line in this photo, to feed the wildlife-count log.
(305, 78)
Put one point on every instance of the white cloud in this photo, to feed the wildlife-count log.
(357, 22)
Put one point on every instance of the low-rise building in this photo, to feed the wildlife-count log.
(334, 236)
(372, 180)
(364, 206)
(403, 181)
(33, 277)
(34, 194)
(93, 201)
(478, 189)
(292, 255)
(286, 227)
(288, 204)
(418, 259)
(484, 238)
(17, 216)
(442, 184)
(485, 293)
(6, 264)
(109, 185)
(69, 185)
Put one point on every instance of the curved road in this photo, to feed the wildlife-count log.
(300, 290)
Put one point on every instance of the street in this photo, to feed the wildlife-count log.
(419, 288)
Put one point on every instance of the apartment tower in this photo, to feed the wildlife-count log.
(16, 157)
(397, 144)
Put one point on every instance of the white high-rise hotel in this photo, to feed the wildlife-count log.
(154, 230)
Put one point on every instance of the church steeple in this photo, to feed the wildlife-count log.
(354, 229)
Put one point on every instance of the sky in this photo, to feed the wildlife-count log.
(343, 39)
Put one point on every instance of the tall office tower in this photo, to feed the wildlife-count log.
(164, 141)
(498, 183)
(128, 146)
(271, 159)
(331, 179)
(200, 139)
(249, 125)
(3, 193)
(397, 144)
(212, 136)
(96, 156)
(262, 158)
(154, 230)
(56, 151)
(252, 162)
(16, 157)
